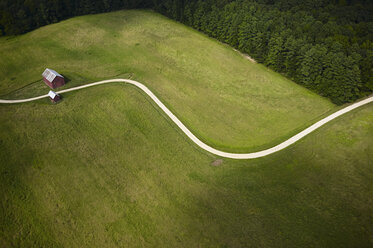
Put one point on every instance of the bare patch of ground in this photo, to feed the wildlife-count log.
(217, 162)
(246, 56)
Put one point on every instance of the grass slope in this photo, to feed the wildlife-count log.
(115, 172)
(226, 100)
(105, 168)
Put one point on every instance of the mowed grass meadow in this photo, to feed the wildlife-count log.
(106, 168)
(115, 172)
(226, 100)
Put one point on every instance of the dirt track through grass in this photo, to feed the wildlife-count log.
(97, 171)
(205, 83)
(196, 140)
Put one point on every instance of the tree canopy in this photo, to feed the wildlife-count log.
(325, 45)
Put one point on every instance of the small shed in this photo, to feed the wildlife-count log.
(53, 79)
(54, 96)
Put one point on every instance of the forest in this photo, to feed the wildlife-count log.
(324, 45)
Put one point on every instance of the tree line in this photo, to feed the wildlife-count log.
(20, 16)
(325, 45)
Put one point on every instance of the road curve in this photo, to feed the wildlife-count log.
(191, 136)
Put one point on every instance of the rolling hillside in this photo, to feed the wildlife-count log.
(206, 84)
(105, 168)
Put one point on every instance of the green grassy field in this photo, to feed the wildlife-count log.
(106, 168)
(116, 172)
(229, 102)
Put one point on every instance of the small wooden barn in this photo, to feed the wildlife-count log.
(53, 79)
(54, 96)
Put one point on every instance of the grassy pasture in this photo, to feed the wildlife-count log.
(106, 168)
(228, 101)
(115, 172)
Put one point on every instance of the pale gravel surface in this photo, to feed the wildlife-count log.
(191, 136)
(246, 56)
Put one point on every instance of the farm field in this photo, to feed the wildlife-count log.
(206, 84)
(115, 172)
(106, 168)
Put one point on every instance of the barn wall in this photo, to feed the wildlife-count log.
(56, 99)
(48, 83)
(59, 81)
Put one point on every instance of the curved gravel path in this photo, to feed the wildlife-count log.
(191, 136)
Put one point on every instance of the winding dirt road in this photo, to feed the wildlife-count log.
(191, 136)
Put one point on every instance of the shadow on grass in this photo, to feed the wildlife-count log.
(67, 78)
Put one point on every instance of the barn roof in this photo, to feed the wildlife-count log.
(52, 94)
(50, 74)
